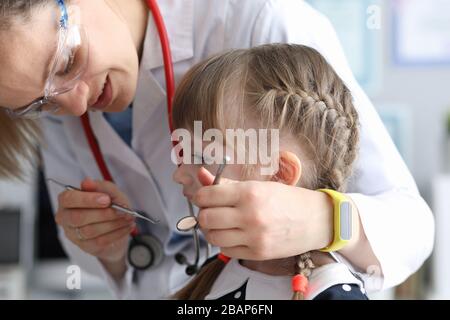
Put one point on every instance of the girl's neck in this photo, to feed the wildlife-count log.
(285, 266)
(277, 267)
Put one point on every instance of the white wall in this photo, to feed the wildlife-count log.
(426, 90)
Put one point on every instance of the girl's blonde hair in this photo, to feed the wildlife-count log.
(287, 87)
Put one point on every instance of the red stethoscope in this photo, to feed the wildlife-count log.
(145, 251)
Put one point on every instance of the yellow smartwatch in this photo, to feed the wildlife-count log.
(342, 216)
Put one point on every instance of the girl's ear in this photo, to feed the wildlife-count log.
(290, 169)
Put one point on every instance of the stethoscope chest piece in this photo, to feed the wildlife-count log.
(187, 223)
(145, 252)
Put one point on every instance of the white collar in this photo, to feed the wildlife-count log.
(262, 286)
(178, 17)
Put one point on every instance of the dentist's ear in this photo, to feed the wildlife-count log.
(290, 169)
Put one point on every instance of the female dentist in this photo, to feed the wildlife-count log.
(119, 63)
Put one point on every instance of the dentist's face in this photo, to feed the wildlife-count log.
(27, 48)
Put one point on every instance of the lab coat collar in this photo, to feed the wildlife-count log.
(179, 21)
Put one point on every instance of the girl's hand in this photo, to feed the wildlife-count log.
(90, 223)
(262, 220)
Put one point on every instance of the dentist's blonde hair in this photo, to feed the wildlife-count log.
(19, 138)
(287, 87)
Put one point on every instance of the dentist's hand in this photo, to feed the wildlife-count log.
(262, 220)
(92, 225)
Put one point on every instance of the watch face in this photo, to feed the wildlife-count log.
(345, 220)
(141, 256)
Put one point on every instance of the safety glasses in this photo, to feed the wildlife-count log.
(68, 65)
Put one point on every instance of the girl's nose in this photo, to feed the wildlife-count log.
(74, 102)
(182, 176)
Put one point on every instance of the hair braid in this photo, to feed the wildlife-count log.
(303, 268)
(328, 125)
(287, 87)
(339, 138)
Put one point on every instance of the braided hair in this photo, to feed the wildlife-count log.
(282, 86)
(302, 96)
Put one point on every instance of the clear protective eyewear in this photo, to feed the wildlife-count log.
(68, 65)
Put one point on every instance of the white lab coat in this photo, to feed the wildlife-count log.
(396, 220)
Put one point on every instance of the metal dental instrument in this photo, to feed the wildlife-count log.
(113, 205)
(190, 222)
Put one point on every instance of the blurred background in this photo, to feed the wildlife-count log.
(399, 51)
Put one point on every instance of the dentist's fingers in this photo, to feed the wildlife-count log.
(222, 195)
(74, 199)
(107, 242)
(206, 178)
(88, 185)
(93, 231)
(225, 194)
(226, 238)
(102, 231)
(106, 187)
(220, 218)
(84, 217)
(91, 205)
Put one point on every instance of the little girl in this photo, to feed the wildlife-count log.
(293, 89)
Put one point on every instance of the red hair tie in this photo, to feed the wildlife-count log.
(223, 258)
(299, 283)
